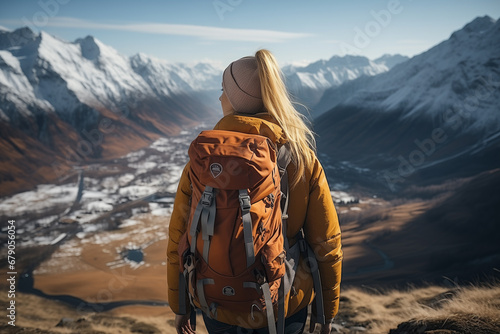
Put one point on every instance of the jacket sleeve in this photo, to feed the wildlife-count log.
(322, 231)
(177, 227)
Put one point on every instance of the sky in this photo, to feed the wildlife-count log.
(221, 31)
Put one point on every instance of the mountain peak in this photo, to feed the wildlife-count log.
(477, 26)
(480, 24)
(348, 60)
(24, 32)
(18, 37)
(89, 46)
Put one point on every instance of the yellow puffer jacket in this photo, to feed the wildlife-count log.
(310, 207)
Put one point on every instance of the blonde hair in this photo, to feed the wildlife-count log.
(277, 102)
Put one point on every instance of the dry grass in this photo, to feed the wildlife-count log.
(472, 309)
(460, 310)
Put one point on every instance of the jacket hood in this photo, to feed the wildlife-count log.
(260, 124)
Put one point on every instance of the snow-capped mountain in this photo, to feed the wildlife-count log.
(435, 113)
(443, 76)
(72, 101)
(166, 78)
(308, 83)
(90, 72)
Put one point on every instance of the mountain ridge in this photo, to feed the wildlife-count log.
(440, 67)
(308, 83)
(431, 117)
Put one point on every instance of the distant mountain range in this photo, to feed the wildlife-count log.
(434, 116)
(386, 121)
(308, 83)
(64, 103)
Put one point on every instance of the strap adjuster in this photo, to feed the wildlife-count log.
(206, 198)
(245, 202)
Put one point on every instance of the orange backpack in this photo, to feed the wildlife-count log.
(233, 254)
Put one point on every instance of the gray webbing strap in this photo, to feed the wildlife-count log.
(213, 310)
(200, 289)
(182, 293)
(205, 210)
(194, 226)
(269, 304)
(318, 299)
(269, 308)
(247, 225)
(284, 158)
(281, 307)
(208, 221)
(284, 208)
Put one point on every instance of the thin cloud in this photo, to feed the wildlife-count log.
(204, 32)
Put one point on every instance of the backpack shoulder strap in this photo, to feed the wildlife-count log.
(284, 158)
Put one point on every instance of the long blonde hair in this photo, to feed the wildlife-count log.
(277, 102)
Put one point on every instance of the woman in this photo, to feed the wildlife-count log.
(255, 100)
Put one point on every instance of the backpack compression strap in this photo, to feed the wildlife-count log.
(210, 311)
(247, 225)
(204, 212)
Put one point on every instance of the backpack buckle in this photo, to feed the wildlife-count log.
(206, 198)
(245, 202)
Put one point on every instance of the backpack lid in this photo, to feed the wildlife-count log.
(231, 160)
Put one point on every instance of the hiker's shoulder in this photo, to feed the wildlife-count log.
(260, 124)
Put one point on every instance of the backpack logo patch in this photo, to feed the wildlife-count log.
(215, 169)
(228, 291)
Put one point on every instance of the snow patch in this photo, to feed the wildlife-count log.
(99, 206)
(129, 222)
(342, 197)
(136, 192)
